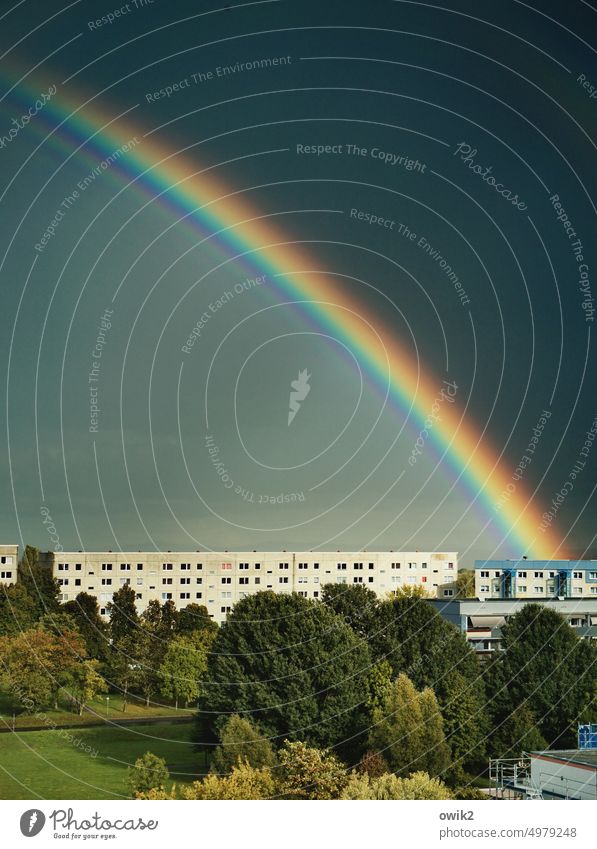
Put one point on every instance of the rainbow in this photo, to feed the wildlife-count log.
(69, 123)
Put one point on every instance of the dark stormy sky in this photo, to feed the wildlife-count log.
(508, 83)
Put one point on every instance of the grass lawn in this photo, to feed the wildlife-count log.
(91, 763)
(95, 712)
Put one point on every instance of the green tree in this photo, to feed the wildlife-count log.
(157, 627)
(368, 617)
(431, 646)
(85, 683)
(397, 727)
(38, 580)
(149, 773)
(84, 610)
(124, 619)
(545, 664)
(123, 667)
(419, 785)
(294, 665)
(517, 734)
(435, 757)
(241, 741)
(244, 782)
(182, 669)
(465, 583)
(306, 772)
(379, 684)
(465, 724)
(37, 664)
(193, 618)
(18, 611)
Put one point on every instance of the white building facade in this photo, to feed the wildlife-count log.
(219, 579)
(9, 558)
(535, 579)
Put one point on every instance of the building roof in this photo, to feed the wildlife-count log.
(552, 565)
(584, 757)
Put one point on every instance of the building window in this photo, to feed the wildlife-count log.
(243, 565)
(358, 565)
(316, 594)
(166, 580)
(484, 574)
(303, 565)
(342, 566)
(166, 596)
(258, 566)
(577, 574)
(341, 579)
(198, 595)
(185, 580)
(538, 575)
(126, 581)
(199, 565)
(106, 567)
(592, 576)
(77, 567)
(125, 567)
(139, 567)
(450, 565)
(227, 566)
(185, 595)
(167, 567)
(395, 565)
(316, 565)
(593, 590)
(370, 579)
(424, 579)
(106, 581)
(538, 589)
(522, 588)
(358, 579)
(226, 580)
(303, 593)
(140, 581)
(185, 567)
(522, 574)
(243, 580)
(484, 588)
(283, 565)
(138, 596)
(225, 609)
(257, 580)
(448, 593)
(423, 565)
(198, 580)
(63, 581)
(283, 580)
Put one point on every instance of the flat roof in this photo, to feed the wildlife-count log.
(585, 757)
(485, 607)
(536, 564)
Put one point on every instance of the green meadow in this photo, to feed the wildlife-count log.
(91, 763)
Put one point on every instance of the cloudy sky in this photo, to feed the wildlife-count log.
(471, 126)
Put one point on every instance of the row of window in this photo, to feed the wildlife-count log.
(578, 575)
(6, 575)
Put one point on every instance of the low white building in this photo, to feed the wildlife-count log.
(219, 579)
(9, 558)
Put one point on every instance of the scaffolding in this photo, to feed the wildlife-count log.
(512, 778)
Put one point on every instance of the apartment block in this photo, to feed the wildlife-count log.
(220, 579)
(535, 579)
(9, 558)
(482, 620)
